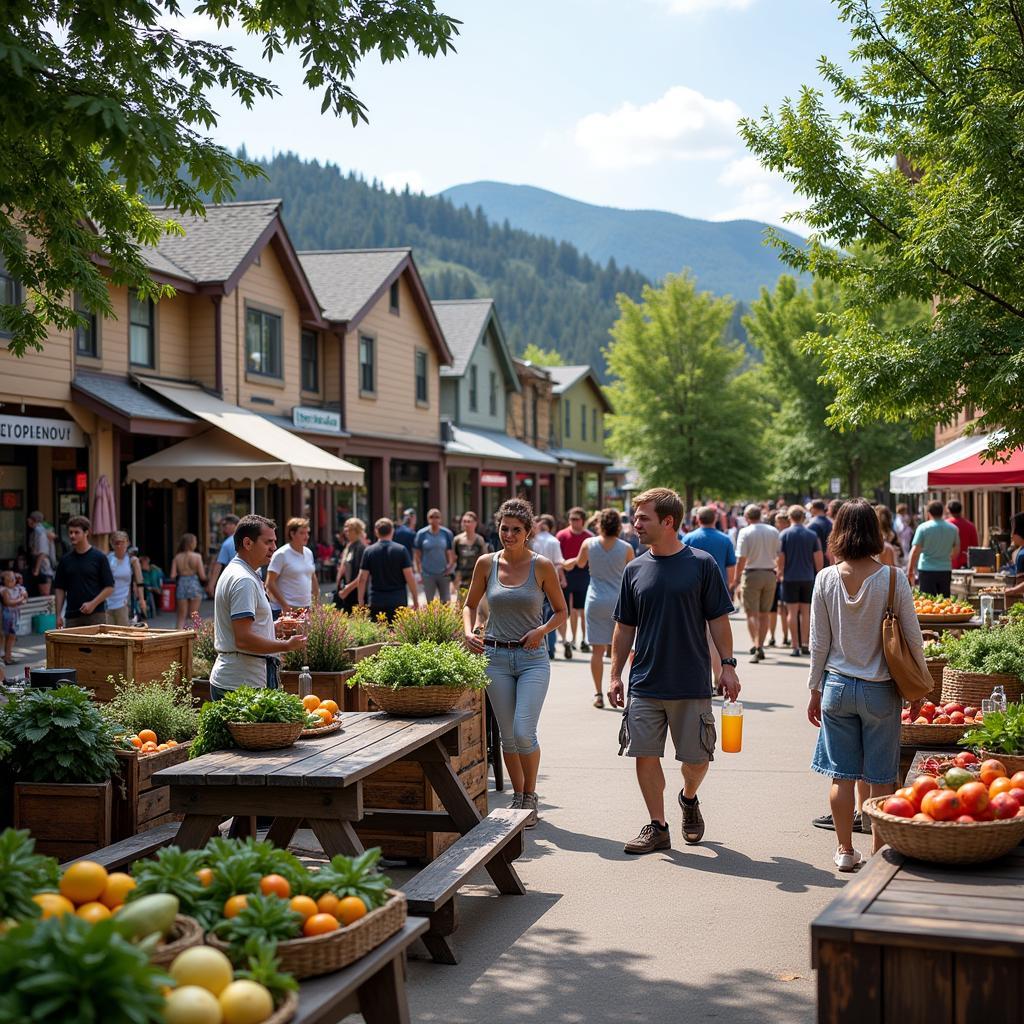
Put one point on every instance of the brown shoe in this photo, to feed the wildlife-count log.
(651, 838)
(693, 821)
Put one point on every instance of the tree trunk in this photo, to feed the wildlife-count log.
(853, 478)
(689, 502)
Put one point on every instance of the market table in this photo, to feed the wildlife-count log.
(911, 757)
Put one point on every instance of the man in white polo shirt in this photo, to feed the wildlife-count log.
(243, 624)
(757, 547)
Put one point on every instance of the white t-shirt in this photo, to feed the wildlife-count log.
(758, 543)
(545, 543)
(240, 595)
(294, 575)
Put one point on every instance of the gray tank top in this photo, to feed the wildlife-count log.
(606, 568)
(513, 611)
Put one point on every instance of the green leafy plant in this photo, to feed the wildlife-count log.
(243, 705)
(328, 638)
(998, 651)
(1001, 732)
(66, 969)
(166, 706)
(265, 967)
(935, 649)
(263, 919)
(58, 736)
(436, 622)
(364, 630)
(171, 871)
(204, 654)
(353, 876)
(423, 664)
(23, 873)
(239, 864)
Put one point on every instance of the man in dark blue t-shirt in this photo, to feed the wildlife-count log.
(386, 570)
(820, 524)
(405, 532)
(669, 598)
(799, 561)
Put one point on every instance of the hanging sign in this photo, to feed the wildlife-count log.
(33, 430)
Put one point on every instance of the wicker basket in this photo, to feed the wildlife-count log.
(1013, 763)
(414, 701)
(264, 735)
(944, 842)
(974, 687)
(288, 1008)
(925, 735)
(185, 933)
(935, 667)
(321, 954)
(323, 730)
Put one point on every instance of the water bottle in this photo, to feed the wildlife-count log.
(998, 698)
(305, 682)
(987, 610)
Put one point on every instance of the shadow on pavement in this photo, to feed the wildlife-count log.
(786, 873)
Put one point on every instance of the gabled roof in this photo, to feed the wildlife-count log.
(527, 369)
(567, 376)
(350, 282)
(465, 322)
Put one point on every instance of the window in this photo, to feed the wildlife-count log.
(421, 377)
(583, 423)
(393, 297)
(310, 361)
(493, 396)
(472, 389)
(10, 292)
(568, 419)
(86, 338)
(593, 425)
(533, 393)
(262, 343)
(367, 365)
(141, 344)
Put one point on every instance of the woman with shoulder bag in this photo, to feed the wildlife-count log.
(854, 699)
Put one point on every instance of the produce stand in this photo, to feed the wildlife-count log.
(138, 805)
(911, 756)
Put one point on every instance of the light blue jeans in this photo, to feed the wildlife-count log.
(519, 684)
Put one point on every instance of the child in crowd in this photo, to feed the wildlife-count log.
(152, 582)
(12, 596)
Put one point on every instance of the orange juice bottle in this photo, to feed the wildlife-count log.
(732, 727)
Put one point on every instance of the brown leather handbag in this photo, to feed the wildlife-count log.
(908, 669)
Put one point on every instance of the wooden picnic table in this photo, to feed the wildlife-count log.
(319, 781)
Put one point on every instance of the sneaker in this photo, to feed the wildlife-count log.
(847, 861)
(584, 647)
(825, 821)
(805, 650)
(693, 821)
(517, 802)
(795, 653)
(529, 803)
(753, 650)
(567, 648)
(652, 837)
(758, 655)
(771, 642)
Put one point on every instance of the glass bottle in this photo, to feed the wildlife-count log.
(305, 682)
(998, 698)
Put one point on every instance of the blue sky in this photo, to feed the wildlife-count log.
(628, 103)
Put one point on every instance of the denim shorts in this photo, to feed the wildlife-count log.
(860, 730)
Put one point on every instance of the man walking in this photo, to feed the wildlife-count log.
(820, 524)
(545, 543)
(386, 573)
(576, 580)
(757, 547)
(469, 546)
(405, 532)
(40, 547)
(434, 552)
(244, 634)
(228, 525)
(799, 561)
(83, 579)
(967, 530)
(936, 544)
(670, 596)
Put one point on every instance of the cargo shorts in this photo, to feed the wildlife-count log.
(759, 590)
(646, 721)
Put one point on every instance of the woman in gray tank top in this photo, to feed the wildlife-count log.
(516, 581)
(606, 557)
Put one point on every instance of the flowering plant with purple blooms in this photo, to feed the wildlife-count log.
(435, 622)
(328, 637)
(203, 652)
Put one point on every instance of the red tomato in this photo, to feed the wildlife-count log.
(907, 794)
(956, 718)
(965, 757)
(992, 770)
(986, 815)
(1004, 806)
(941, 720)
(921, 816)
(1018, 794)
(922, 721)
(899, 806)
(928, 710)
(965, 819)
(941, 804)
(1018, 779)
(904, 716)
(973, 797)
(921, 785)
(953, 706)
(1000, 785)
(970, 712)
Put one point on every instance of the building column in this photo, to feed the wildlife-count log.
(476, 493)
(381, 471)
(436, 498)
(600, 488)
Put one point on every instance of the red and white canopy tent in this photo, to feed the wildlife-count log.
(960, 465)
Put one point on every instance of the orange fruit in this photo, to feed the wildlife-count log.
(118, 886)
(350, 909)
(330, 705)
(234, 905)
(135, 741)
(205, 876)
(149, 747)
(324, 715)
(1000, 785)
(172, 743)
(304, 905)
(311, 702)
(991, 770)
(162, 746)
(328, 904)
(275, 885)
(147, 736)
(93, 912)
(84, 882)
(53, 904)
(320, 924)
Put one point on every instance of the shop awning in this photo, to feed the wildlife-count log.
(245, 446)
(570, 455)
(973, 472)
(917, 476)
(488, 444)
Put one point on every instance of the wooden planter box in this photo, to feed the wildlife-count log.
(326, 685)
(101, 651)
(66, 819)
(200, 690)
(358, 653)
(403, 786)
(138, 804)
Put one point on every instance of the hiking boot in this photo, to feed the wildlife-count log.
(652, 837)
(530, 804)
(584, 647)
(567, 648)
(758, 655)
(693, 820)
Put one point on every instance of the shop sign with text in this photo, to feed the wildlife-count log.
(34, 430)
(493, 479)
(315, 419)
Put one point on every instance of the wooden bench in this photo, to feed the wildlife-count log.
(128, 851)
(432, 892)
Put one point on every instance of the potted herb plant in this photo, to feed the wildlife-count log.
(367, 635)
(980, 660)
(436, 622)
(252, 719)
(327, 654)
(61, 752)
(203, 656)
(1000, 735)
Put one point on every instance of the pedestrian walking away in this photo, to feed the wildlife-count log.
(227, 525)
(434, 553)
(800, 559)
(606, 557)
(188, 576)
(244, 633)
(576, 582)
(669, 597)
(292, 585)
(757, 547)
(41, 548)
(516, 581)
(544, 542)
(83, 580)
(853, 701)
(128, 585)
(967, 530)
(350, 561)
(936, 543)
(781, 522)
(386, 574)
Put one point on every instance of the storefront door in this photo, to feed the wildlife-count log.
(409, 482)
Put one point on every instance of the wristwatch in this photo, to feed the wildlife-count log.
(729, 661)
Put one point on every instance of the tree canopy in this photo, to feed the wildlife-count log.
(105, 100)
(923, 163)
(533, 353)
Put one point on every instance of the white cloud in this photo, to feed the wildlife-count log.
(397, 180)
(757, 194)
(704, 6)
(683, 124)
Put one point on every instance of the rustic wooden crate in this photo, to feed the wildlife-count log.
(138, 804)
(100, 651)
(326, 685)
(66, 819)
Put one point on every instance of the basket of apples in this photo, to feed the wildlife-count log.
(973, 812)
(937, 723)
